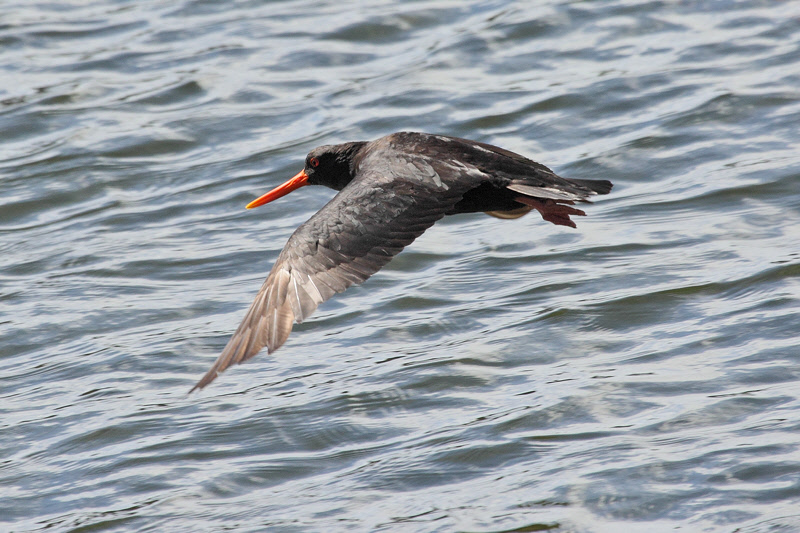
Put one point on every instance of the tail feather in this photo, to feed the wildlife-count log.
(575, 190)
(596, 186)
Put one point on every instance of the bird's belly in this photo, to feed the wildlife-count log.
(486, 197)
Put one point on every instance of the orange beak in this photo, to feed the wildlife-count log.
(296, 182)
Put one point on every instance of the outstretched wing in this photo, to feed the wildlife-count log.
(355, 234)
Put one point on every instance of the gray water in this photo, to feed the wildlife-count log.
(640, 373)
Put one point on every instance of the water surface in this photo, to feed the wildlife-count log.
(640, 372)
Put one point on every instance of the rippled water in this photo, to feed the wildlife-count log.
(639, 373)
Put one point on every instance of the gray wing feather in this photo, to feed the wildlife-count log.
(349, 239)
(572, 194)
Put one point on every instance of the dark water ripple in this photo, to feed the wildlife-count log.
(639, 373)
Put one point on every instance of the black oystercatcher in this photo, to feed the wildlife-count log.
(391, 190)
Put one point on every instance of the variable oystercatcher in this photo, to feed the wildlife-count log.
(390, 191)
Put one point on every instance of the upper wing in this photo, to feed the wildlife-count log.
(530, 185)
(495, 165)
(349, 239)
(535, 178)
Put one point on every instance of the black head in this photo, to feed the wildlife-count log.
(332, 165)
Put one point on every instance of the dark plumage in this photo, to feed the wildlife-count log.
(391, 190)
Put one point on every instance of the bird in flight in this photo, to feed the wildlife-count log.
(390, 191)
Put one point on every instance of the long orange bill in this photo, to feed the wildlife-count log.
(296, 182)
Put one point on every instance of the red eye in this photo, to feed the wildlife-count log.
(314, 162)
